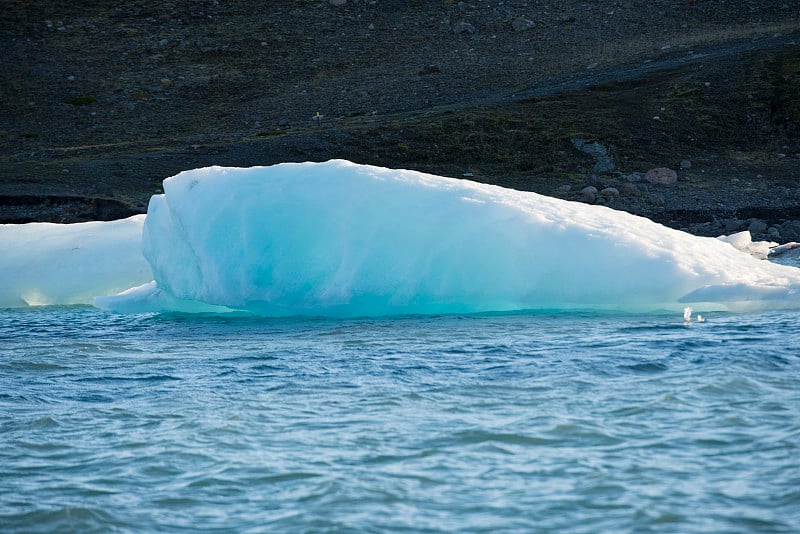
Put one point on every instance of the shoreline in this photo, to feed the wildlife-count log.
(105, 104)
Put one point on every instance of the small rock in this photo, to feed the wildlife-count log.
(634, 177)
(610, 192)
(464, 28)
(629, 190)
(565, 188)
(589, 194)
(774, 232)
(521, 24)
(661, 176)
(781, 156)
(686, 164)
(337, 2)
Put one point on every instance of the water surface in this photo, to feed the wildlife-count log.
(515, 423)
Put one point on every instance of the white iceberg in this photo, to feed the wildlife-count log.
(46, 263)
(343, 239)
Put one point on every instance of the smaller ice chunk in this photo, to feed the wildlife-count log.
(148, 297)
(743, 241)
(51, 264)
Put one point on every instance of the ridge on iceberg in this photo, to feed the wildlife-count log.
(342, 239)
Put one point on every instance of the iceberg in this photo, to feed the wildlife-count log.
(342, 239)
(60, 264)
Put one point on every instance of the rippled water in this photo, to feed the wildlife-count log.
(532, 423)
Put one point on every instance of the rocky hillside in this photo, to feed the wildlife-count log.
(99, 101)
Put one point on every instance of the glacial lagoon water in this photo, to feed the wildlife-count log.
(528, 422)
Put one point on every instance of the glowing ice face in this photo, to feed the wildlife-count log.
(338, 238)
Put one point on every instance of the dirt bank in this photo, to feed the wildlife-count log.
(102, 101)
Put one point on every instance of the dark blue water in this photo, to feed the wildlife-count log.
(518, 423)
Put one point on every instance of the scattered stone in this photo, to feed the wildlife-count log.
(337, 2)
(629, 190)
(774, 232)
(686, 164)
(521, 24)
(781, 156)
(661, 176)
(464, 28)
(757, 226)
(565, 188)
(595, 149)
(634, 177)
(790, 230)
(732, 225)
(589, 194)
(603, 164)
(598, 181)
(610, 192)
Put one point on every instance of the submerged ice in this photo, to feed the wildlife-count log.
(342, 239)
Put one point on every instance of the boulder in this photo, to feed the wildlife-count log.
(757, 226)
(790, 230)
(589, 194)
(629, 190)
(661, 176)
(521, 24)
(733, 225)
(610, 192)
